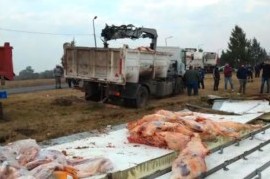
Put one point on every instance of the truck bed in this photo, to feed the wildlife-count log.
(96, 64)
(115, 65)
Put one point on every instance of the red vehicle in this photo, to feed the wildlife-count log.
(6, 64)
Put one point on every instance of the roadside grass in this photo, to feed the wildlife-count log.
(55, 113)
(38, 116)
(28, 83)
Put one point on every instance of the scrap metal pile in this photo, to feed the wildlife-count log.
(25, 159)
(185, 132)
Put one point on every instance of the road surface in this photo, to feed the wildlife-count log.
(32, 89)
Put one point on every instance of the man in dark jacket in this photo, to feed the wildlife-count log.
(265, 76)
(201, 80)
(191, 79)
(216, 77)
(242, 74)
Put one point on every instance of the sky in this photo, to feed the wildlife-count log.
(37, 29)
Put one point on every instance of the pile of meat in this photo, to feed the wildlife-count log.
(185, 132)
(25, 159)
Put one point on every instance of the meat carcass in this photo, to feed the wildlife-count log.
(195, 147)
(237, 127)
(147, 118)
(90, 167)
(188, 167)
(174, 140)
(25, 150)
(46, 156)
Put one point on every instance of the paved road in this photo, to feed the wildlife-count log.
(32, 89)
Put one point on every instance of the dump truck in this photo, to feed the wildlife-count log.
(6, 64)
(124, 74)
(6, 70)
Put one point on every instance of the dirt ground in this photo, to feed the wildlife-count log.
(51, 114)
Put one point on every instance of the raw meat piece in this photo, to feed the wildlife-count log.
(90, 167)
(147, 118)
(26, 150)
(46, 156)
(188, 167)
(195, 147)
(46, 170)
(175, 141)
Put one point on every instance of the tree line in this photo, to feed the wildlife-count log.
(29, 73)
(242, 50)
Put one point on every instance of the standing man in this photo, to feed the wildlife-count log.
(58, 73)
(191, 79)
(242, 74)
(201, 80)
(250, 73)
(216, 77)
(257, 71)
(265, 76)
(228, 76)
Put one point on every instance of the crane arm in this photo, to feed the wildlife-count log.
(129, 31)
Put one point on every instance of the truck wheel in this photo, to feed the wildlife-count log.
(141, 97)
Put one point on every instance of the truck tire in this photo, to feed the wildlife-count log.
(141, 97)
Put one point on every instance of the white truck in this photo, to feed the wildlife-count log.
(206, 60)
(193, 58)
(128, 75)
(210, 60)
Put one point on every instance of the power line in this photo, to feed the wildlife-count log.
(42, 33)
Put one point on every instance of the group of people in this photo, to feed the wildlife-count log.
(244, 74)
(194, 78)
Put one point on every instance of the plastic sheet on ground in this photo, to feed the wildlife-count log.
(124, 155)
(242, 106)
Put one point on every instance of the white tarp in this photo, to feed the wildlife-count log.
(242, 106)
(114, 146)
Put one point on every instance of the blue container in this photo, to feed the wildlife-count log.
(3, 95)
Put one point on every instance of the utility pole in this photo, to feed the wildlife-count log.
(167, 38)
(94, 31)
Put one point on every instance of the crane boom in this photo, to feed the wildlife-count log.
(129, 31)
